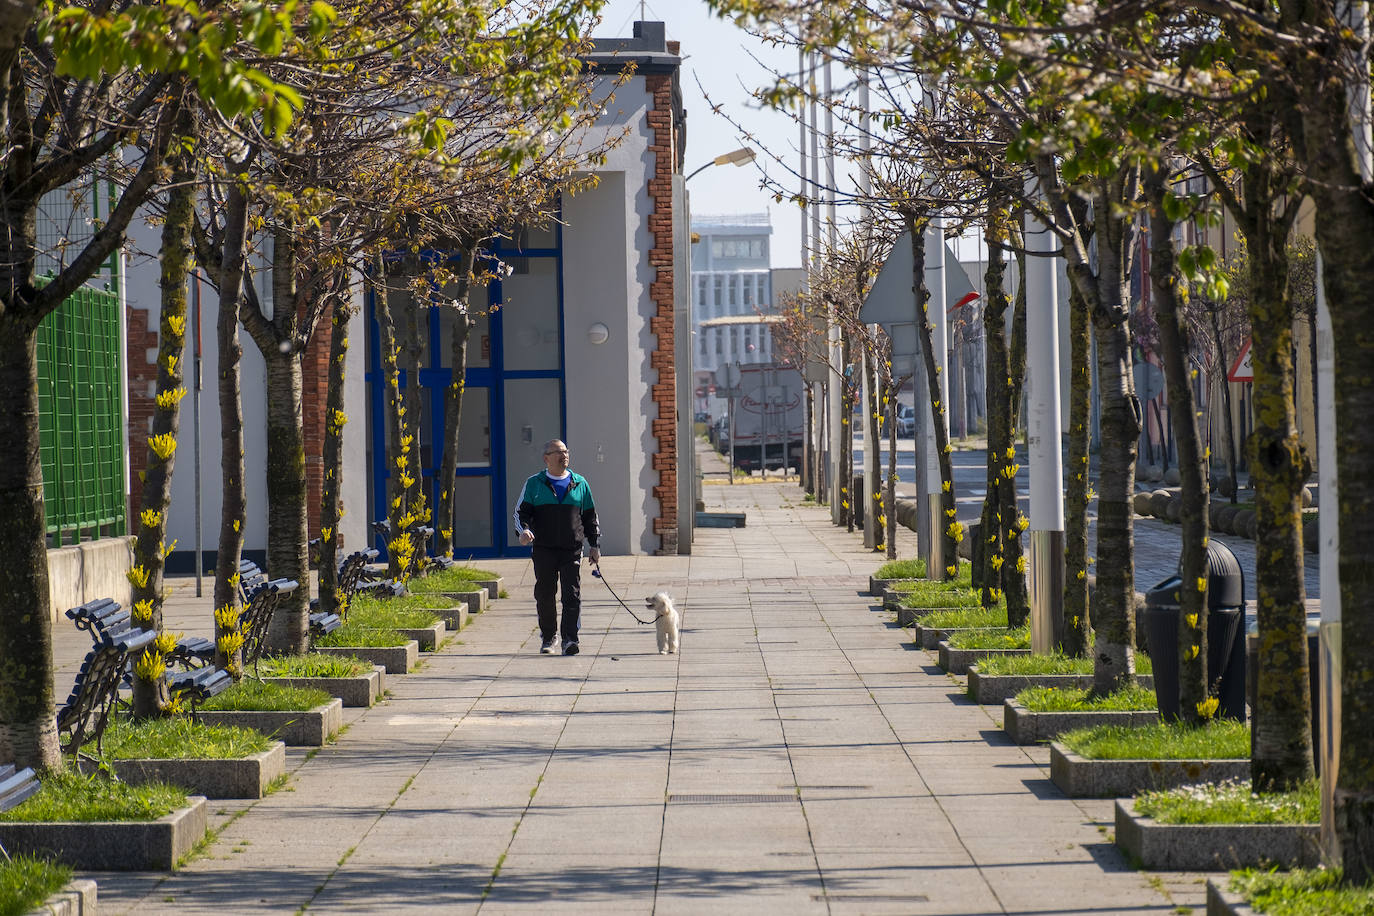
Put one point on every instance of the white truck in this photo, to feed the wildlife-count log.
(768, 417)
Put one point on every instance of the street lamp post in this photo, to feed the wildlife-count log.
(740, 157)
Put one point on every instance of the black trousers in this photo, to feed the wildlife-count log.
(554, 566)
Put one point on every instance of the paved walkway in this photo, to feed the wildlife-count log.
(797, 757)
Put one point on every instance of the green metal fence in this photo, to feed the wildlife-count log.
(81, 418)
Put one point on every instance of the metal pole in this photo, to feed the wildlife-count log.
(195, 422)
(1356, 16)
(838, 409)
(1046, 579)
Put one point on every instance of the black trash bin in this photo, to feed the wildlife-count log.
(977, 551)
(1225, 635)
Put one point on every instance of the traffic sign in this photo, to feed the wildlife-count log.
(1241, 369)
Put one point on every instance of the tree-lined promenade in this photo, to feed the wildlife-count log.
(1128, 132)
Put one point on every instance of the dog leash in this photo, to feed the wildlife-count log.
(596, 571)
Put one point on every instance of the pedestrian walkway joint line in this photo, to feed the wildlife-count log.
(973, 860)
(404, 787)
(668, 771)
(791, 763)
(553, 751)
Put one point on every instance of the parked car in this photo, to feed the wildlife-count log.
(906, 420)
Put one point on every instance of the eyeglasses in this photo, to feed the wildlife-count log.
(557, 451)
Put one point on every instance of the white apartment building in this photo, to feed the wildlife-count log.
(732, 296)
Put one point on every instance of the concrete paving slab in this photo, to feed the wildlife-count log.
(617, 781)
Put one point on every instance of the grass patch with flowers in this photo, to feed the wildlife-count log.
(1302, 892)
(179, 738)
(390, 615)
(314, 664)
(960, 618)
(902, 569)
(1231, 802)
(1054, 699)
(990, 638)
(26, 881)
(1222, 739)
(459, 578)
(69, 796)
(352, 636)
(1040, 665)
(250, 695)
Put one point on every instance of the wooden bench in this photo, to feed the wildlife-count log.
(15, 787)
(256, 619)
(105, 620)
(87, 710)
(350, 578)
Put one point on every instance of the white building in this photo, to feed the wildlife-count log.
(732, 296)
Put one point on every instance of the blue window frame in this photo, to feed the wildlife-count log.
(492, 502)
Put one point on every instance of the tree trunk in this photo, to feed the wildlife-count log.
(463, 323)
(873, 518)
(1114, 610)
(417, 502)
(1281, 737)
(331, 500)
(1344, 225)
(1013, 522)
(890, 484)
(1077, 620)
(951, 531)
(233, 503)
(150, 697)
(998, 393)
(28, 727)
(286, 500)
(399, 548)
(1193, 676)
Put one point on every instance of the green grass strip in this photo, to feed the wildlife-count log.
(459, 578)
(314, 664)
(991, 638)
(957, 618)
(902, 569)
(1055, 663)
(26, 881)
(250, 695)
(352, 636)
(1223, 739)
(1315, 892)
(69, 796)
(1053, 699)
(367, 604)
(389, 616)
(178, 737)
(1231, 802)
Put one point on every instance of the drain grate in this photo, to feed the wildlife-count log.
(740, 799)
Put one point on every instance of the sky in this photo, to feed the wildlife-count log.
(728, 63)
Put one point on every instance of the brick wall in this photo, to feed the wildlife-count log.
(664, 393)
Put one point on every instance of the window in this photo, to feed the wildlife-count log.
(734, 292)
(720, 343)
(717, 249)
(749, 290)
(719, 298)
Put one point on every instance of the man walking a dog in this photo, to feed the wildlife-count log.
(556, 514)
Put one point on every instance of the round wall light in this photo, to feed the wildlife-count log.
(598, 333)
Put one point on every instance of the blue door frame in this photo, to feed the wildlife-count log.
(436, 377)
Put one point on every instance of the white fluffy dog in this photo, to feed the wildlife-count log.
(666, 621)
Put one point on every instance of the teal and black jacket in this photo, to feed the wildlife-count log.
(561, 525)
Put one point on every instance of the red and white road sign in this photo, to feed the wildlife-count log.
(1241, 370)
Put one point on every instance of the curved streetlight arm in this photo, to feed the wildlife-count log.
(742, 156)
